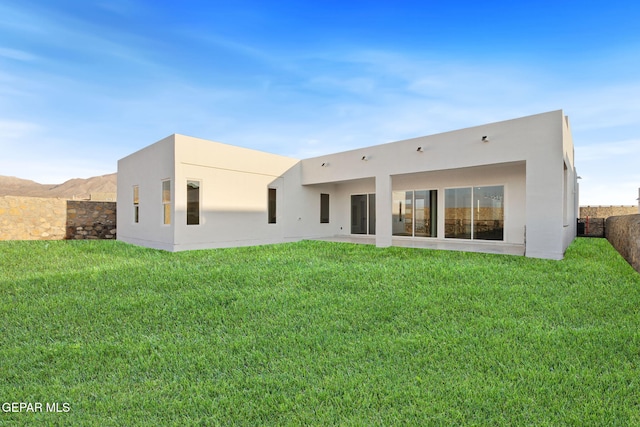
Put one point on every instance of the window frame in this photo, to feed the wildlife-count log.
(325, 210)
(272, 205)
(370, 216)
(198, 203)
(166, 202)
(404, 207)
(136, 204)
(472, 218)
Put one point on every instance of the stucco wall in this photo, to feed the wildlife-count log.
(542, 143)
(146, 169)
(234, 184)
(623, 232)
(32, 218)
(540, 191)
(233, 194)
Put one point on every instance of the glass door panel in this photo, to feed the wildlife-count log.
(488, 215)
(457, 213)
(359, 214)
(372, 214)
(401, 211)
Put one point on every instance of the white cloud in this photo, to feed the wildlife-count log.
(610, 151)
(610, 172)
(16, 54)
(604, 107)
(12, 130)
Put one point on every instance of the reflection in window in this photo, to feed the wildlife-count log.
(193, 202)
(414, 213)
(166, 201)
(475, 213)
(457, 213)
(488, 215)
(402, 213)
(136, 204)
(426, 213)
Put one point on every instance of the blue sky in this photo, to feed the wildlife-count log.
(84, 83)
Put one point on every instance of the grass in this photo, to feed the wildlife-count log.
(317, 333)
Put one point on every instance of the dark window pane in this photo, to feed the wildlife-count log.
(457, 213)
(193, 202)
(272, 206)
(324, 208)
(488, 213)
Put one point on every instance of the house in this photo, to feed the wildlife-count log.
(507, 187)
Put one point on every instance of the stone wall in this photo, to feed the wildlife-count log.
(606, 211)
(36, 218)
(623, 232)
(91, 220)
(32, 218)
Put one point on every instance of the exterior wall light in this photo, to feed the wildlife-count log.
(324, 164)
(420, 150)
(365, 158)
(485, 139)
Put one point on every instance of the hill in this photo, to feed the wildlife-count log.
(76, 188)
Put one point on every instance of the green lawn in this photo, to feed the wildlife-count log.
(317, 333)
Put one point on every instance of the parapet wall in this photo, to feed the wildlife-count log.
(623, 232)
(37, 218)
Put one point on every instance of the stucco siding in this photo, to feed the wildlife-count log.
(531, 158)
(146, 169)
(234, 184)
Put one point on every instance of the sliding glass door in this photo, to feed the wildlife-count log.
(414, 213)
(488, 220)
(426, 213)
(363, 214)
(475, 213)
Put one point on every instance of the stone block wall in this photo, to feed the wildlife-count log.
(606, 211)
(623, 232)
(91, 220)
(36, 218)
(32, 218)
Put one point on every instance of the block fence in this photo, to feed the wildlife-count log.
(623, 232)
(91, 220)
(606, 211)
(36, 218)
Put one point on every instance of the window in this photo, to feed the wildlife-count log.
(372, 213)
(166, 201)
(272, 206)
(324, 208)
(414, 213)
(565, 193)
(488, 216)
(193, 202)
(402, 213)
(475, 213)
(136, 204)
(457, 213)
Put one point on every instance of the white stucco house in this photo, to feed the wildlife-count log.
(507, 187)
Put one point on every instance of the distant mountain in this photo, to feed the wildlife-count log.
(76, 188)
